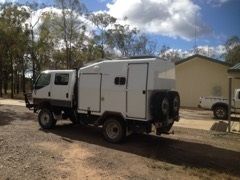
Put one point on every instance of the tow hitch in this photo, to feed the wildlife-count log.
(28, 100)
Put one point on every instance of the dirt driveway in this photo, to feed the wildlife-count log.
(74, 152)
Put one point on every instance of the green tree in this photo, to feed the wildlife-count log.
(130, 41)
(69, 25)
(12, 18)
(122, 37)
(102, 21)
(232, 46)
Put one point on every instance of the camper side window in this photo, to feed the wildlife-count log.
(61, 79)
(120, 80)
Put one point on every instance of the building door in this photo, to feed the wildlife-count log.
(137, 90)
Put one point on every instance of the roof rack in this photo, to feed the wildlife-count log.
(138, 57)
(141, 57)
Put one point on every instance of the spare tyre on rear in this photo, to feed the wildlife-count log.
(160, 106)
(174, 101)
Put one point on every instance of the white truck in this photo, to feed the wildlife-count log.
(122, 96)
(219, 105)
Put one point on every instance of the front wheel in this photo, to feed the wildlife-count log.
(46, 119)
(114, 130)
(220, 112)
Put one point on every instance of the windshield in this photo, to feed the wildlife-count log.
(42, 80)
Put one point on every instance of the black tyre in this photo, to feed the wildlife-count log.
(220, 112)
(74, 117)
(46, 119)
(164, 129)
(174, 101)
(160, 106)
(114, 130)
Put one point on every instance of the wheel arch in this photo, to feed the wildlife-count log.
(108, 114)
(219, 104)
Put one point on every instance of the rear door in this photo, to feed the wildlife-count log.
(136, 90)
(90, 92)
(60, 95)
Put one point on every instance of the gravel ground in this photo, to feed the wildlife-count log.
(74, 152)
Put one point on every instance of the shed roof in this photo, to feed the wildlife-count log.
(235, 68)
(203, 57)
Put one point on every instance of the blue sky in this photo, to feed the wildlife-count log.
(221, 18)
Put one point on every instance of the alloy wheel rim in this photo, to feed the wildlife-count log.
(45, 118)
(112, 130)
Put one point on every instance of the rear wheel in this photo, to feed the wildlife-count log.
(46, 119)
(114, 130)
(74, 117)
(220, 112)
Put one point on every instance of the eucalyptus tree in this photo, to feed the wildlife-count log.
(69, 25)
(12, 18)
(102, 21)
(122, 37)
(232, 46)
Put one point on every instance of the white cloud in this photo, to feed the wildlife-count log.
(4, 1)
(217, 3)
(164, 17)
(210, 51)
(35, 17)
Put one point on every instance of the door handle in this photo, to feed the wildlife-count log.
(144, 92)
(49, 94)
(66, 95)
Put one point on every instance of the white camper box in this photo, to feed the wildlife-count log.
(129, 90)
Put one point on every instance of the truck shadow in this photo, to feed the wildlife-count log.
(178, 152)
(8, 115)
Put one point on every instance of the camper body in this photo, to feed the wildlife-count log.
(124, 96)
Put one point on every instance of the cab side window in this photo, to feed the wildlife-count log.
(43, 80)
(61, 79)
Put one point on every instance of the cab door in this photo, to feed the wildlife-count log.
(60, 90)
(42, 87)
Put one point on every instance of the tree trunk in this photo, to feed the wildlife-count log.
(23, 77)
(33, 59)
(1, 75)
(5, 82)
(102, 46)
(12, 77)
(17, 83)
(67, 54)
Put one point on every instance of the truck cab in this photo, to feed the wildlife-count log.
(54, 87)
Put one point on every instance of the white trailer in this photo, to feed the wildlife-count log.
(123, 96)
